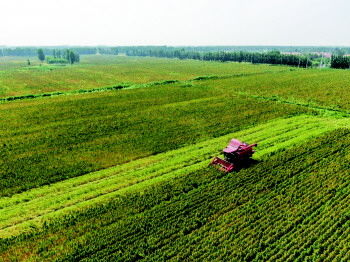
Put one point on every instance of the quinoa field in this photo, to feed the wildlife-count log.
(108, 160)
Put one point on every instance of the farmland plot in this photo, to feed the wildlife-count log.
(47, 140)
(122, 175)
(16, 78)
(266, 212)
(101, 186)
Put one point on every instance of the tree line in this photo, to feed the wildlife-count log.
(59, 56)
(71, 56)
(340, 62)
(32, 51)
(253, 54)
(309, 50)
(283, 49)
(271, 57)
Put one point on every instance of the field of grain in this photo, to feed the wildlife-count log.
(122, 174)
(16, 78)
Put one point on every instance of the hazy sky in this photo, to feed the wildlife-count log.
(175, 22)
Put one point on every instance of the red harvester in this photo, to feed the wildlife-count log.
(236, 154)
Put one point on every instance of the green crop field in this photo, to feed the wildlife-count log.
(16, 78)
(107, 160)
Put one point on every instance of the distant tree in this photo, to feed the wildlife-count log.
(72, 57)
(66, 54)
(77, 58)
(41, 55)
(271, 57)
(340, 62)
(28, 62)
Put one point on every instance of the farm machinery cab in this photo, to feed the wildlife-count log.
(237, 154)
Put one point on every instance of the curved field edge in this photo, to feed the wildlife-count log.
(29, 209)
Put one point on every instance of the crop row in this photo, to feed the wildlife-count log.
(287, 220)
(18, 79)
(252, 214)
(241, 217)
(76, 193)
(44, 141)
(325, 88)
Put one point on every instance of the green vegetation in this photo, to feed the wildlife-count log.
(47, 140)
(33, 51)
(265, 212)
(323, 88)
(41, 55)
(104, 185)
(70, 57)
(311, 51)
(272, 57)
(340, 61)
(17, 79)
(56, 60)
(261, 213)
(60, 57)
(107, 160)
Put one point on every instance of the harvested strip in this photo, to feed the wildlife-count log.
(32, 207)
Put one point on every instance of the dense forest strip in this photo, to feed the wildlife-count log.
(272, 57)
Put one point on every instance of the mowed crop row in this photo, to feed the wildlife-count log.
(240, 218)
(304, 216)
(20, 212)
(292, 205)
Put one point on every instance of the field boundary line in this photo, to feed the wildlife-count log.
(122, 86)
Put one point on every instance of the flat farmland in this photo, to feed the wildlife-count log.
(122, 175)
(16, 78)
